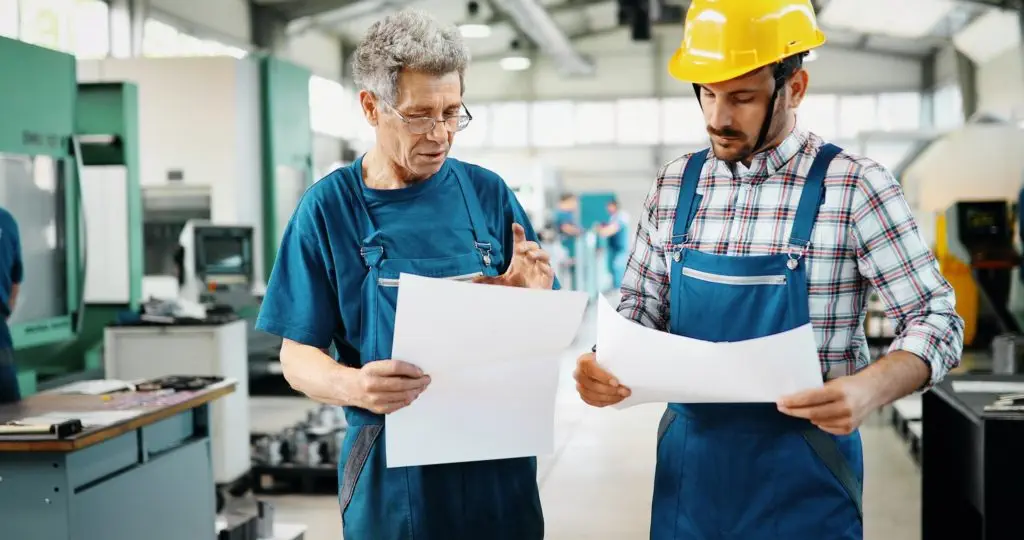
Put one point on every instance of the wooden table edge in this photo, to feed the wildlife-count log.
(109, 432)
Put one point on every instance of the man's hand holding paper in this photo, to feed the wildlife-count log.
(651, 366)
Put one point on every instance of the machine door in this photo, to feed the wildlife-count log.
(32, 190)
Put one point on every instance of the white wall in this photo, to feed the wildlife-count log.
(630, 69)
(1001, 84)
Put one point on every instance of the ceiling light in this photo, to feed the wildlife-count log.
(475, 31)
(812, 55)
(514, 62)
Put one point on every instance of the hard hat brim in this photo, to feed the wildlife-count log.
(688, 68)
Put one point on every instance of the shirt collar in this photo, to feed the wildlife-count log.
(767, 163)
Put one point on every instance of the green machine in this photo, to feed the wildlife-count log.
(51, 131)
(287, 148)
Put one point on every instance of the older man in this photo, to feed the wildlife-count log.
(769, 230)
(11, 273)
(402, 207)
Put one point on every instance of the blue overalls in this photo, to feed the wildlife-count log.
(491, 499)
(746, 471)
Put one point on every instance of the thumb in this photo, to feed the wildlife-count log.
(487, 280)
(518, 233)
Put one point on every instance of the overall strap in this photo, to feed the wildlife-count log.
(811, 197)
(476, 213)
(828, 452)
(687, 193)
(372, 249)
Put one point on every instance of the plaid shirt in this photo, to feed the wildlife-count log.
(865, 236)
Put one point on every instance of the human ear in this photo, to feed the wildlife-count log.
(797, 87)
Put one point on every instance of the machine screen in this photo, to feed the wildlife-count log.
(984, 223)
(224, 255)
(32, 190)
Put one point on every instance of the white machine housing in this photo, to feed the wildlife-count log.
(216, 259)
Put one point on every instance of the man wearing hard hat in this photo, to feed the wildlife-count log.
(770, 229)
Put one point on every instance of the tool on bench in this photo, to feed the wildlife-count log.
(1007, 403)
(60, 430)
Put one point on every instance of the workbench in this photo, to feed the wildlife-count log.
(971, 466)
(147, 474)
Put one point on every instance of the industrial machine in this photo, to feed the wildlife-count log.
(216, 264)
(68, 164)
(976, 254)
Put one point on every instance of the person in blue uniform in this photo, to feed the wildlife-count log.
(10, 281)
(568, 229)
(616, 231)
(767, 230)
(404, 206)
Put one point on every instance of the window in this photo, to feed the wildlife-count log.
(637, 121)
(328, 106)
(594, 122)
(818, 113)
(475, 134)
(682, 121)
(857, 114)
(9, 18)
(509, 124)
(890, 154)
(948, 107)
(899, 111)
(551, 123)
(91, 30)
(45, 23)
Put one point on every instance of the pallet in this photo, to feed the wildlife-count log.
(292, 480)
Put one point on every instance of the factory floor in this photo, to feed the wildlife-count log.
(597, 484)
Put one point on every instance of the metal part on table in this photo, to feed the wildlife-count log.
(1007, 350)
(265, 514)
(314, 442)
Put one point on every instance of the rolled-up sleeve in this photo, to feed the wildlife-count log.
(645, 285)
(893, 256)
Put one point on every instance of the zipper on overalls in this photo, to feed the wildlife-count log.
(394, 282)
(734, 280)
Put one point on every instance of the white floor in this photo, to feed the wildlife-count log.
(597, 485)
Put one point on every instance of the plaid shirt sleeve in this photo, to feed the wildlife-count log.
(894, 258)
(645, 285)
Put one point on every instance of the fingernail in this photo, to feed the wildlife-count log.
(623, 392)
(614, 382)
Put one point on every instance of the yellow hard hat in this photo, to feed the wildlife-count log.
(723, 39)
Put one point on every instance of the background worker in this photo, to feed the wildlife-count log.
(616, 230)
(770, 199)
(10, 282)
(402, 207)
(567, 227)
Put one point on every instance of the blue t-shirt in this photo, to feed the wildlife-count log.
(314, 293)
(10, 271)
(617, 242)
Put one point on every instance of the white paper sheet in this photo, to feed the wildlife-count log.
(88, 418)
(661, 367)
(492, 354)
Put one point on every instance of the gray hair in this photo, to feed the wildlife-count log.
(407, 39)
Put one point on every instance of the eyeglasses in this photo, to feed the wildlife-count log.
(424, 124)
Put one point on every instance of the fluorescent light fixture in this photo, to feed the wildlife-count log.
(475, 31)
(896, 18)
(989, 35)
(514, 63)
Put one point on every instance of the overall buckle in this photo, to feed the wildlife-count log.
(485, 252)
